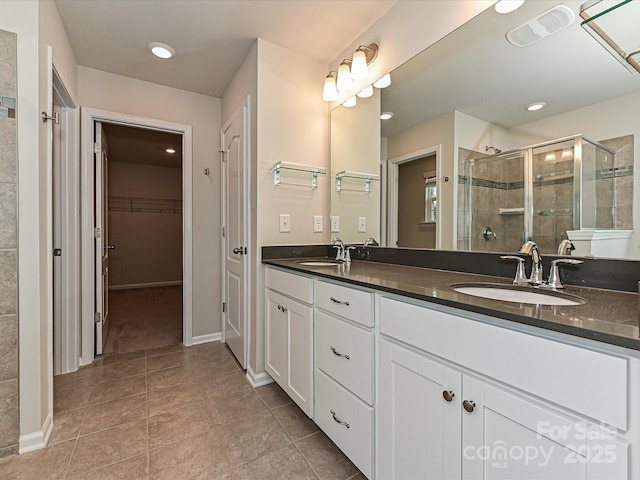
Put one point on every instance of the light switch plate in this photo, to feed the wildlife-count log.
(362, 224)
(317, 224)
(285, 223)
(335, 224)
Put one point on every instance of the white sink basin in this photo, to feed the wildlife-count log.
(517, 294)
(319, 263)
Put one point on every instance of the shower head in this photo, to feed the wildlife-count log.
(495, 150)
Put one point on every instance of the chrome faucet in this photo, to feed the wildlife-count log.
(371, 242)
(339, 244)
(565, 247)
(531, 248)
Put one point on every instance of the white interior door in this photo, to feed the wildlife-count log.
(235, 241)
(101, 234)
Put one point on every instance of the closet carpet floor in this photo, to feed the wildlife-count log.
(177, 413)
(144, 318)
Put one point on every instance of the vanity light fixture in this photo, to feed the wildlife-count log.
(363, 56)
(170, 150)
(366, 93)
(350, 102)
(344, 81)
(330, 92)
(383, 82)
(507, 6)
(161, 50)
(386, 115)
(535, 106)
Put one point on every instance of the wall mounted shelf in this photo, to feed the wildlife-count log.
(296, 170)
(357, 178)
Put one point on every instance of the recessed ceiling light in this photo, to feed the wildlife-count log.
(507, 6)
(170, 150)
(386, 115)
(535, 106)
(161, 50)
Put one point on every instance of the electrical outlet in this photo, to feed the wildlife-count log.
(317, 224)
(285, 223)
(335, 224)
(362, 224)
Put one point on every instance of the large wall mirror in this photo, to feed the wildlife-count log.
(487, 172)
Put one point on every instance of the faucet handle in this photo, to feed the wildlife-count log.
(347, 253)
(338, 253)
(554, 281)
(520, 277)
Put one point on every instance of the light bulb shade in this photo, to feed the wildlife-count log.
(359, 69)
(350, 102)
(344, 81)
(366, 93)
(330, 92)
(384, 82)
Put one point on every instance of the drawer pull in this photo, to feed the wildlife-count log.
(337, 420)
(469, 405)
(448, 395)
(338, 354)
(335, 300)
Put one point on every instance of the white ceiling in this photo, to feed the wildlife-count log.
(211, 37)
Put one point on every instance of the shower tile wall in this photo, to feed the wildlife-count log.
(623, 146)
(8, 252)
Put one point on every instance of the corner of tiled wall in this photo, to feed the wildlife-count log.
(9, 406)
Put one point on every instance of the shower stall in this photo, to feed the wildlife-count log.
(538, 193)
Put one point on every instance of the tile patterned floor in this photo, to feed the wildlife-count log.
(177, 413)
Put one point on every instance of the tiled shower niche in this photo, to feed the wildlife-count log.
(8, 249)
(541, 192)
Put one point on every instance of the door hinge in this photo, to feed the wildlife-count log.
(57, 252)
(96, 232)
(97, 148)
(224, 307)
(98, 317)
(224, 232)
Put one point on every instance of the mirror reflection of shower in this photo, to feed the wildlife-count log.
(494, 150)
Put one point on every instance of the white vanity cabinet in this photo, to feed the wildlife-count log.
(344, 373)
(459, 398)
(289, 334)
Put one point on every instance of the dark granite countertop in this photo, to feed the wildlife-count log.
(609, 316)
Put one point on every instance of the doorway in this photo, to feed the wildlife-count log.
(141, 238)
(89, 118)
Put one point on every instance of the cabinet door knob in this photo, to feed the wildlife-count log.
(448, 395)
(469, 405)
(338, 354)
(337, 420)
(335, 300)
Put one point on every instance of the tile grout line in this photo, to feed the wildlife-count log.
(75, 443)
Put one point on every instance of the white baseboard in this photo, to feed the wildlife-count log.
(258, 380)
(36, 440)
(145, 285)
(210, 337)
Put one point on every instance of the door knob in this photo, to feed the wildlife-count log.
(238, 251)
(110, 247)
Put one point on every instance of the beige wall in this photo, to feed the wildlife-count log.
(120, 94)
(355, 146)
(148, 242)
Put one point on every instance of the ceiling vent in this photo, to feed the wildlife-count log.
(542, 26)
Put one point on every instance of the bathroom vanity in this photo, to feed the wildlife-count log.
(412, 379)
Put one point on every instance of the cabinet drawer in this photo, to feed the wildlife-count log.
(295, 286)
(356, 305)
(334, 404)
(565, 374)
(345, 352)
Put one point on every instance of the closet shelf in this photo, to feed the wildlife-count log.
(356, 177)
(296, 170)
(148, 205)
